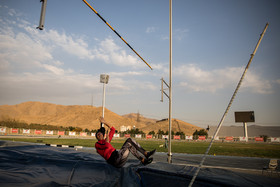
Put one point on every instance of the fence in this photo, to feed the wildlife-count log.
(36, 132)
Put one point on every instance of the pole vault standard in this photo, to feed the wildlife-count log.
(227, 109)
(115, 32)
(169, 159)
(169, 87)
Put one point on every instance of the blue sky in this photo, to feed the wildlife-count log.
(212, 43)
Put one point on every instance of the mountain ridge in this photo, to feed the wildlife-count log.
(85, 116)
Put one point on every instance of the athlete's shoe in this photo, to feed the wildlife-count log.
(150, 153)
(147, 161)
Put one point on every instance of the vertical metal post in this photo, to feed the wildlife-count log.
(170, 83)
(161, 90)
(245, 131)
(43, 14)
(103, 100)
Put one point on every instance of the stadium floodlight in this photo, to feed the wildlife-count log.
(43, 14)
(103, 79)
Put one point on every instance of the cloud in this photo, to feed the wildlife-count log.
(29, 63)
(106, 50)
(151, 29)
(195, 79)
(12, 12)
(127, 73)
(111, 53)
(256, 84)
(24, 46)
(54, 69)
(18, 51)
(179, 34)
(46, 86)
(73, 45)
(160, 67)
(164, 37)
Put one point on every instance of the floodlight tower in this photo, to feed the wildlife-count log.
(104, 79)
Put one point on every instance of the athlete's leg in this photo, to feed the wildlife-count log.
(147, 154)
(123, 153)
(136, 145)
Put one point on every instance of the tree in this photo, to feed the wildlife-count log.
(160, 132)
(133, 131)
(201, 132)
(180, 133)
(152, 133)
(70, 128)
(264, 137)
(78, 129)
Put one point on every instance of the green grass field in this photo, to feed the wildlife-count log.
(266, 150)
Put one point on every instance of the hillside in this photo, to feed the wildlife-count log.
(84, 117)
(154, 125)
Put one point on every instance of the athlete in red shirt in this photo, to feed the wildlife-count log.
(119, 158)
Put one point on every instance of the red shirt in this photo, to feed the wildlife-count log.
(104, 148)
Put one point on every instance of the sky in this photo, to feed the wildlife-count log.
(212, 43)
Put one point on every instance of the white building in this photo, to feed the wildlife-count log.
(125, 128)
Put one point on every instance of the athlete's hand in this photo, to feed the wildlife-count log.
(102, 120)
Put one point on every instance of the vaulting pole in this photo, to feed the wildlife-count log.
(116, 32)
(228, 107)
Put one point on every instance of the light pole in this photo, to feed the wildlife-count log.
(103, 79)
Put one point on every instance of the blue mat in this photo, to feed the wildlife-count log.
(40, 165)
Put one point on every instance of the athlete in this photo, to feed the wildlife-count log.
(119, 158)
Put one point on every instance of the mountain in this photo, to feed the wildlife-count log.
(155, 125)
(60, 115)
(85, 116)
